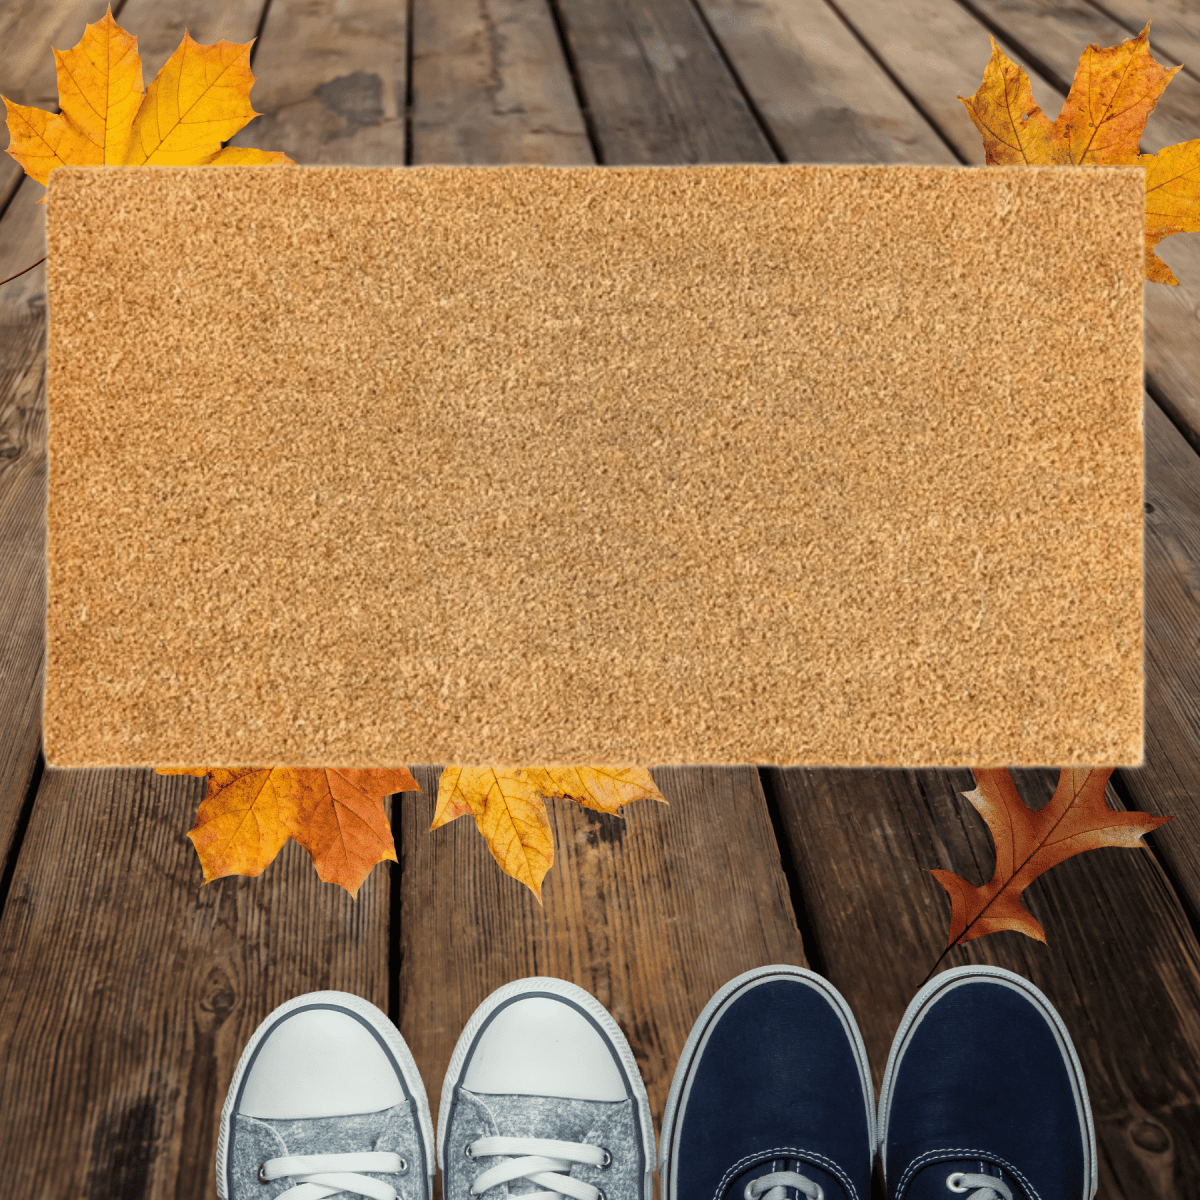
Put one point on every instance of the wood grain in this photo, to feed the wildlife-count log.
(22, 244)
(651, 913)
(1169, 783)
(23, 555)
(820, 92)
(491, 85)
(128, 990)
(332, 77)
(937, 51)
(656, 85)
(1121, 964)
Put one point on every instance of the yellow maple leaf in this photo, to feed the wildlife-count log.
(336, 815)
(199, 99)
(1172, 201)
(509, 811)
(1114, 92)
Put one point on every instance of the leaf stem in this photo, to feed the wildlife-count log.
(935, 965)
(20, 273)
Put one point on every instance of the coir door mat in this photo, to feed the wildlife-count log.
(536, 465)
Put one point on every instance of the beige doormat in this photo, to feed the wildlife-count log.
(618, 466)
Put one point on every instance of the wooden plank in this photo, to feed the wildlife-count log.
(1169, 783)
(23, 243)
(650, 913)
(1174, 28)
(820, 92)
(1055, 33)
(331, 81)
(1121, 964)
(937, 51)
(656, 85)
(128, 990)
(23, 553)
(491, 85)
(159, 28)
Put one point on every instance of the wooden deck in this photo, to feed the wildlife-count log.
(127, 991)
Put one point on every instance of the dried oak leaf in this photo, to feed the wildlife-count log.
(1030, 842)
(508, 808)
(1114, 92)
(199, 99)
(336, 815)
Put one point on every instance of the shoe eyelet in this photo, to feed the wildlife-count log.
(607, 1160)
(262, 1173)
(600, 1195)
(952, 1182)
(467, 1152)
(403, 1165)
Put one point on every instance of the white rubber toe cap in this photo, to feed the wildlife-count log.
(319, 1062)
(543, 1047)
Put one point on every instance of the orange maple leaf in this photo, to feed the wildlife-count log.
(199, 99)
(1030, 842)
(1114, 92)
(336, 815)
(509, 811)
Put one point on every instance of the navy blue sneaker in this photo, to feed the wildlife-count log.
(984, 1094)
(772, 1097)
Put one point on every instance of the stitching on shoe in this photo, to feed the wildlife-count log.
(261, 1124)
(963, 1153)
(265, 1124)
(789, 1152)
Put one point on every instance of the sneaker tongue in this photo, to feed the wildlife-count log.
(384, 1130)
(554, 1117)
(832, 1187)
(929, 1183)
(331, 1135)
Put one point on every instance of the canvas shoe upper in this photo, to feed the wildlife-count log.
(542, 1100)
(772, 1097)
(984, 1095)
(326, 1101)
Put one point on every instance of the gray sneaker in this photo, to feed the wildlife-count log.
(326, 1101)
(543, 1100)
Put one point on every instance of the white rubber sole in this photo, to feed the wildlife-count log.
(917, 1009)
(592, 1007)
(379, 1022)
(681, 1082)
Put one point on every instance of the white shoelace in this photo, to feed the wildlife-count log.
(323, 1175)
(541, 1162)
(771, 1187)
(990, 1188)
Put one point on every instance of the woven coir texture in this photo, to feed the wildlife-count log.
(538, 465)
